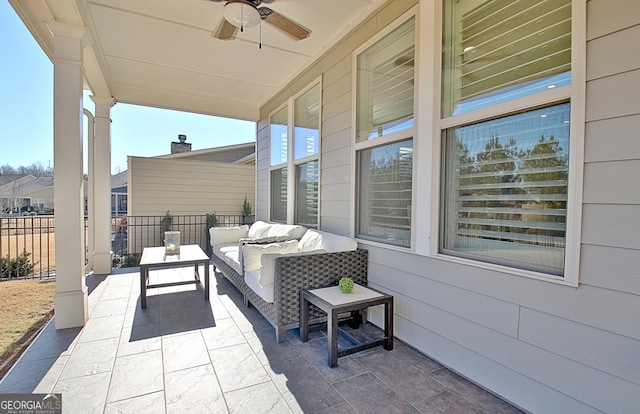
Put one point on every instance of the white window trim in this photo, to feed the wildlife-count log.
(292, 163)
(412, 133)
(430, 93)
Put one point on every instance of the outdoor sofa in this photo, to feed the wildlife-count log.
(271, 263)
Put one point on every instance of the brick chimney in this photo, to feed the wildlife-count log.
(181, 146)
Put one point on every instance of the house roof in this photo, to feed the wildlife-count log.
(24, 188)
(161, 53)
(9, 178)
(223, 153)
(119, 180)
(38, 184)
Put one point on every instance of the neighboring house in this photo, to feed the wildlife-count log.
(119, 193)
(25, 193)
(189, 182)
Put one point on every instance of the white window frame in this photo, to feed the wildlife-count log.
(430, 64)
(411, 133)
(291, 163)
(281, 165)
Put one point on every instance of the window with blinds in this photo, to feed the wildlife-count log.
(307, 123)
(306, 212)
(385, 103)
(385, 193)
(498, 50)
(279, 136)
(279, 195)
(505, 189)
(385, 82)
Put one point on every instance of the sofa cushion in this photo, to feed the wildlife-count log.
(261, 229)
(252, 281)
(227, 235)
(332, 243)
(229, 254)
(252, 253)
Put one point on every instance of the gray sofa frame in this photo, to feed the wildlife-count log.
(294, 273)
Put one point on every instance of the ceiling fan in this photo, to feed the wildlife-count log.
(239, 14)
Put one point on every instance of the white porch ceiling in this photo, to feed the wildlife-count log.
(161, 53)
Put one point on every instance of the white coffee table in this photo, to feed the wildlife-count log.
(154, 257)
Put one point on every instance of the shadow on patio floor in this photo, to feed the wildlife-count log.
(183, 354)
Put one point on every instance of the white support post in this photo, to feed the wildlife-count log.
(102, 260)
(90, 193)
(70, 301)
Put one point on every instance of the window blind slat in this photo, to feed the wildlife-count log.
(505, 44)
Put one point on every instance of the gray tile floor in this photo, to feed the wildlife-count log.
(182, 354)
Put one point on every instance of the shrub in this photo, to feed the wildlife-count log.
(166, 224)
(126, 260)
(20, 266)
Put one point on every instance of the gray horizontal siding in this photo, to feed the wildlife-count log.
(262, 171)
(583, 344)
(597, 263)
(612, 226)
(609, 139)
(614, 182)
(609, 16)
(604, 57)
(611, 97)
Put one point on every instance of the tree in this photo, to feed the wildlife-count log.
(37, 169)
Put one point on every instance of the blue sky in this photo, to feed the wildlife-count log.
(26, 111)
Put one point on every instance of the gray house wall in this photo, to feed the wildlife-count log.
(544, 346)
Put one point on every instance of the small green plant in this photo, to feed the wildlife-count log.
(166, 224)
(126, 260)
(13, 268)
(212, 219)
(130, 260)
(246, 207)
(346, 285)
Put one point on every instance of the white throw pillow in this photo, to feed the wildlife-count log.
(227, 235)
(252, 253)
(311, 240)
(316, 239)
(258, 230)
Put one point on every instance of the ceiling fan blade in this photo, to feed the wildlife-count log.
(225, 30)
(292, 29)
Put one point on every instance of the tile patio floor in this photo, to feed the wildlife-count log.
(185, 355)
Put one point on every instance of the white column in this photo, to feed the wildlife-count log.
(102, 185)
(91, 214)
(70, 300)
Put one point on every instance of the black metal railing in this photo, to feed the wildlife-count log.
(130, 235)
(27, 247)
(27, 244)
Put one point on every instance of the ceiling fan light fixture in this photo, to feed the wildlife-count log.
(241, 14)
